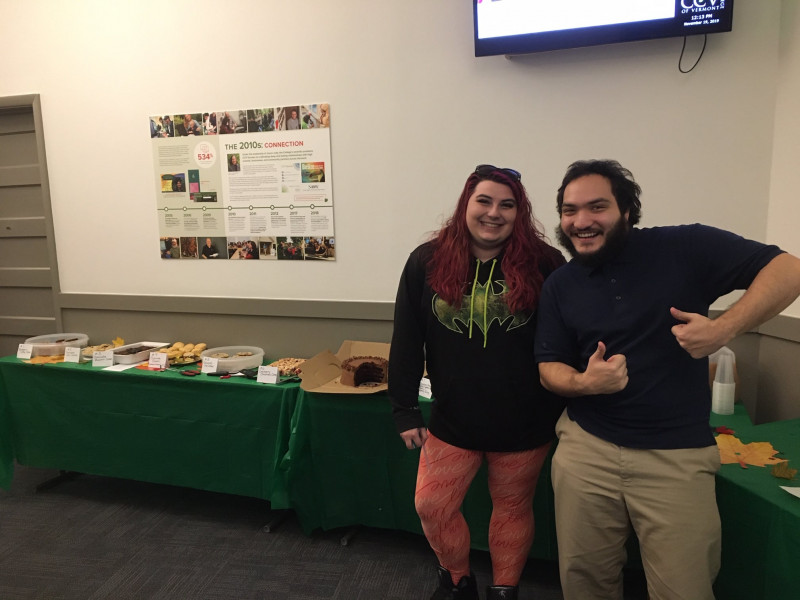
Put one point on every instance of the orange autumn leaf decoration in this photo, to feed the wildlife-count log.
(759, 454)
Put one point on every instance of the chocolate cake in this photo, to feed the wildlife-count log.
(358, 370)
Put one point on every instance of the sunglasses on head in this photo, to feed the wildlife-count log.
(485, 170)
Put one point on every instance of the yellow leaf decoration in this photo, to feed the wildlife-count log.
(118, 341)
(783, 471)
(759, 454)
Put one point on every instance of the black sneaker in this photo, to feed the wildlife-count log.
(466, 589)
(501, 592)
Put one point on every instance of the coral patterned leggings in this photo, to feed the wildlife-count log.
(445, 473)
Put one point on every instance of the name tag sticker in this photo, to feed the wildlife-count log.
(425, 387)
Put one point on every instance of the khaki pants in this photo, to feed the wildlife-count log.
(666, 496)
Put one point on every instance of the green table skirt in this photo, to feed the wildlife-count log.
(349, 466)
(336, 460)
(218, 435)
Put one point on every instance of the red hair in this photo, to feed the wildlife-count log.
(524, 253)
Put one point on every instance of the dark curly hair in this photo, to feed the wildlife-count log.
(625, 189)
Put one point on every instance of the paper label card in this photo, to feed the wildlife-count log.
(157, 360)
(425, 387)
(103, 358)
(267, 374)
(209, 365)
(72, 355)
(24, 351)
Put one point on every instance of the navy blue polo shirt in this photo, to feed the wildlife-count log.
(625, 304)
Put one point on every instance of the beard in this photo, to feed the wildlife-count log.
(615, 240)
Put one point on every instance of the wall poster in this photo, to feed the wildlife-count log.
(245, 184)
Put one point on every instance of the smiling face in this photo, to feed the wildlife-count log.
(491, 211)
(591, 223)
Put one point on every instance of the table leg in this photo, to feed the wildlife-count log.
(54, 481)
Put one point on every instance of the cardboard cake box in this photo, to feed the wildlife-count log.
(322, 372)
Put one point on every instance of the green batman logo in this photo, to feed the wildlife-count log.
(495, 306)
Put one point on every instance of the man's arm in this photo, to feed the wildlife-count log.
(775, 287)
(600, 377)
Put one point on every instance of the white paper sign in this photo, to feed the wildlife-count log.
(72, 355)
(157, 360)
(103, 358)
(267, 374)
(425, 387)
(209, 365)
(24, 351)
(794, 491)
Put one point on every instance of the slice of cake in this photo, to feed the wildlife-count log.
(360, 370)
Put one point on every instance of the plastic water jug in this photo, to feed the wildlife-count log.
(723, 389)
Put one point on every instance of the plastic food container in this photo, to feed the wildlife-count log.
(234, 363)
(53, 344)
(121, 358)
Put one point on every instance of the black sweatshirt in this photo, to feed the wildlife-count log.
(486, 389)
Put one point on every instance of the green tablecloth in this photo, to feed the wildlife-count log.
(349, 467)
(335, 459)
(760, 521)
(201, 432)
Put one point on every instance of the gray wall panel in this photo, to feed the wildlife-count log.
(20, 201)
(18, 149)
(779, 380)
(26, 302)
(17, 121)
(25, 277)
(20, 175)
(278, 336)
(23, 227)
(23, 252)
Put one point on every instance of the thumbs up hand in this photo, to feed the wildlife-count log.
(605, 376)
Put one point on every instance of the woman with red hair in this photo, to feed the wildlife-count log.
(465, 309)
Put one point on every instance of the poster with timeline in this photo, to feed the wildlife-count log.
(244, 184)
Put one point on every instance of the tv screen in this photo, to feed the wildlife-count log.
(524, 26)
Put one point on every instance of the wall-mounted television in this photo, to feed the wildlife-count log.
(525, 26)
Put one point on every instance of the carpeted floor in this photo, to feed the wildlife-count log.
(94, 538)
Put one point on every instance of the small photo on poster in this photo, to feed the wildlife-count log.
(204, 197)
(170, 247)
(210, 123)
(314, 116)
(319, 248)
(234, 163)
(226, 122)
(173, 182)
(240, 248)
(260, 119)
(188, 247)
(161, 127)
(194, 180)
(268, 248)
(239, 119)
(213, 248)
(290, 248)
(312, 172)
(188, 124)
(287, 118)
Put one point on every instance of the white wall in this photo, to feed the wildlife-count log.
(784, 208)
(412, 112)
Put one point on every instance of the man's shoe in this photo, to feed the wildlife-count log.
(502, 592)
(466, 589)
